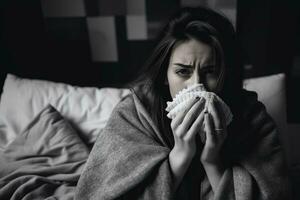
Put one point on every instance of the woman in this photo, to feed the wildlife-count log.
(142, 154)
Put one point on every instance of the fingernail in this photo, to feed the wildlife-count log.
(206, 116)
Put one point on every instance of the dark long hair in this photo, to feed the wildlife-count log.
(207, 26)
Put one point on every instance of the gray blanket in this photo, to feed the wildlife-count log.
(130, 161)
(43, 162)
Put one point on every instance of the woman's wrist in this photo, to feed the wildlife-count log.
(214, 171)
(212, 162)
(182, 155)
(179, 164)
(216, 166)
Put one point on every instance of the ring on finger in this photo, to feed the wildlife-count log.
(219, 130)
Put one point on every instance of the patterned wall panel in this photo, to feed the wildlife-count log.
(112, 34)
(102, 38)
(193, 2)
(136, 27)
(63, 8)
(136, 21)
(105, 7)
(135, 7)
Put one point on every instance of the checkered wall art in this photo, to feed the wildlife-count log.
(109, 38)
(114, 29)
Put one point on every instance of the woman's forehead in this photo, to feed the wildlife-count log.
(192, 51)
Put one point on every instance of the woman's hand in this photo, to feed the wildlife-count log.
(185, 126)
(216, 133)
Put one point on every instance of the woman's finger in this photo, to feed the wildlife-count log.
(192, 114)
(216, 115)
(197, 125)
(180, 116)
(209, 128)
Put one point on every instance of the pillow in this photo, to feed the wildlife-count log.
(45, 160)
(87, 108)
(271, 92)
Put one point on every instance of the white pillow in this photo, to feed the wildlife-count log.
(271, 91)
(87, 108)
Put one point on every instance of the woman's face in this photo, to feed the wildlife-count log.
(191, 62)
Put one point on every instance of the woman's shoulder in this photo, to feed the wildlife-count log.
(249, 97)
(125, 110)
(251, 102)
(125, 105)
(136, 98)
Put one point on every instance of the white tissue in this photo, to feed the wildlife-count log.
(180, 101)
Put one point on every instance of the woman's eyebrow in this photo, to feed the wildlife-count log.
(183, 65)
(206, 66)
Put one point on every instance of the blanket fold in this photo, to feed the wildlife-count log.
(128, 160)
(43, 162)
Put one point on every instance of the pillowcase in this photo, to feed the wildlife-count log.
(86, 108)
(271, 92)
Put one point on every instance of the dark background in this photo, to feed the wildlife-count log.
(104, 42)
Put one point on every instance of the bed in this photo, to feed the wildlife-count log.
(48, 128)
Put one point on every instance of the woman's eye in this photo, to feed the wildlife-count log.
(183, 72)
(211, 71)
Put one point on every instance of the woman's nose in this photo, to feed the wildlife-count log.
(195, 79)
